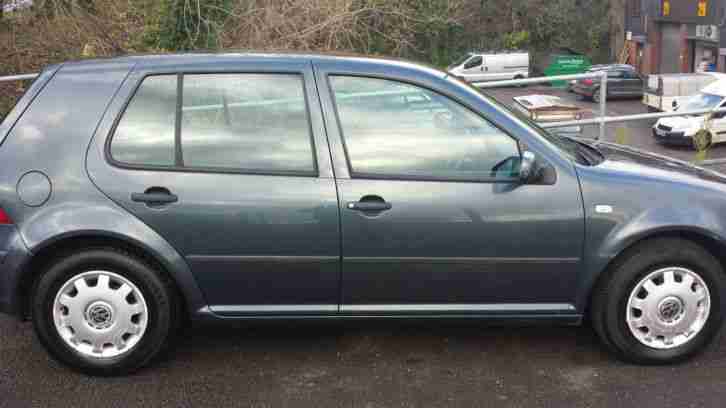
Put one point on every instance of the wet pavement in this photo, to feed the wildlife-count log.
(373, 365)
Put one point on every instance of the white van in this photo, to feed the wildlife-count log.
(681, 129)
(664, 91)
(482, 66)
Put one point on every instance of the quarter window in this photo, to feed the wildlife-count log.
(393, 129)
(145, 134)
(240, 122)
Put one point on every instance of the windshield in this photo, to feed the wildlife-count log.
(702, 101)
(461, 60)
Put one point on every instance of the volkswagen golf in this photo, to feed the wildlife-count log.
(142, 193)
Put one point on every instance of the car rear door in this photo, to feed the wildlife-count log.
(616, 83)
(634, 83)
(228, 161)
(433, 221)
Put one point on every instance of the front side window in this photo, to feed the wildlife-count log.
(393, 129)
(474, 62)
(240, 122)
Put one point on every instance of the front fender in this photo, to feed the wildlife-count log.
(640, 211)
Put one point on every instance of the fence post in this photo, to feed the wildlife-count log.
(603, 102)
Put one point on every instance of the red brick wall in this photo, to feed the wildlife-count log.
(685, 54)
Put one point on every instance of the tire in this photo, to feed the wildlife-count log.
(520, 77)
(104, 313)
(611, 301)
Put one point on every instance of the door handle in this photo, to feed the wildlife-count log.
(370, 204)
(155, 196)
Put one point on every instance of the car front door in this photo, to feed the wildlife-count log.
(474, 69)
(717, 125)
(228, 162)
(434, 219)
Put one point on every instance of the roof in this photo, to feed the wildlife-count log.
(600, 67)
(228, 58)
(210, 56)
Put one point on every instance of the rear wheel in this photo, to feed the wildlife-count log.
(596, 96)
(661, 303)
(104, 311)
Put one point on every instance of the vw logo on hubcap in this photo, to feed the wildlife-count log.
(670, 309)
(99, 315)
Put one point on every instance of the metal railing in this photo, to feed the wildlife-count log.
(600, 75)
(17, 77)
(602, 120)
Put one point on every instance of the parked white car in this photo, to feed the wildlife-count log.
(680, 130)
(663, 92)
(479, 67)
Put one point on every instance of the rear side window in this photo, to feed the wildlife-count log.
(246, 121)
(228, 122)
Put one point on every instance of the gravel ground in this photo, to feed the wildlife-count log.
(378, 364)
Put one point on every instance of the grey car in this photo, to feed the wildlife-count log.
(142, 193)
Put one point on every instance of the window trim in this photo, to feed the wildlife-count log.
(408, 177)
(178, 165)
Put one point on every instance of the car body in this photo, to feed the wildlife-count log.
(680, 130)
(491, 66)
(246, 187)
(623, 82)
(550, 108)
(598, 67)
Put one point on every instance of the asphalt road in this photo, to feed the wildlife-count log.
(378, 364)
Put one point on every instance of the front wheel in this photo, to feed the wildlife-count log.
(104, 311)
(661, 303)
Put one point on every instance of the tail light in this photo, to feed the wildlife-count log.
(588, 81)
(4, 219)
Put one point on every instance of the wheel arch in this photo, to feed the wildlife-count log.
(45, 252)
(714, 245)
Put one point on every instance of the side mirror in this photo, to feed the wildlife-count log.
(526, 166)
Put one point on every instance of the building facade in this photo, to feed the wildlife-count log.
(671, 36)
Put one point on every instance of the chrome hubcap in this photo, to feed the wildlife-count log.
(100, 314)
(668, 307)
